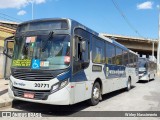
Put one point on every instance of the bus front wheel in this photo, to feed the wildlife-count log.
(96, 93)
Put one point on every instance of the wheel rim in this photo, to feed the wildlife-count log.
(96, 93)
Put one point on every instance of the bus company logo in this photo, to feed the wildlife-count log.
(19, 84)
(117, 72)
(112, 71)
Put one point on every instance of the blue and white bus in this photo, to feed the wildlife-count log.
(147, 69)
(62, 62)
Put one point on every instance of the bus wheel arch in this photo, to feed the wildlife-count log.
(100, 82)
(96, 94)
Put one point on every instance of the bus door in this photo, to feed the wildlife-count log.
(81, 62)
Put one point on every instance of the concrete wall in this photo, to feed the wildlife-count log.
(4, 33)
(142, 46)
(1, 63)
(4, 66)
(8, 65)
(139, 46)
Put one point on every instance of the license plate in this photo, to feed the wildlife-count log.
(29, 95)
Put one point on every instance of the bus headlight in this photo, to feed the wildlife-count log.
(59, 85)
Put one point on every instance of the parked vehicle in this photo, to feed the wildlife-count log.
(147, 69)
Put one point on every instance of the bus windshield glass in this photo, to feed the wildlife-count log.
(42, 52)
(142, 63)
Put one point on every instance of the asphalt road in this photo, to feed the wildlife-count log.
(144, 96)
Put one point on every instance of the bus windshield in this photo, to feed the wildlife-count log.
(42, 52)
(142, 63)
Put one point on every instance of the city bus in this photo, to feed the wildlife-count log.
(147, 69)
(62, 62)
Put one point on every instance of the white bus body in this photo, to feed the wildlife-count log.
(94, 65)
(147, 69)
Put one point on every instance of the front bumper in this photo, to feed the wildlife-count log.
(60, 97)
(144, 78)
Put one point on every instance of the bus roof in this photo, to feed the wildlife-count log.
(133, 52)
(77, 24)
(113, 42)
(43, 19)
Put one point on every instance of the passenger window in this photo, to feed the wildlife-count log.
(125, 58)
(98, 51)
(110, 54)
(135, 60)
(82, 55)
(131, 60)
(118, 56)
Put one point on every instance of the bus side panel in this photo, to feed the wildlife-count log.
(152, 74)
(84, 81)
(116, 77)
(79, 79)
(131, 72)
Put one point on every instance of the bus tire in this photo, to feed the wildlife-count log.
(95, 95)
(129, 84)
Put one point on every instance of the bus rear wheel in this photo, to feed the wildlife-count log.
(129, 84)
(96, 93)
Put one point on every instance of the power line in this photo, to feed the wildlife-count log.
(11, 17)
(7, 19)
(125, 18)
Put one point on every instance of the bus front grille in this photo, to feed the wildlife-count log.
(38, 95)
(32, 76)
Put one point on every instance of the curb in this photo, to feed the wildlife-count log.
(5, 104)
(5, 100)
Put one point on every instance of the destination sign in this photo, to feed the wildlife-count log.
(21, 63)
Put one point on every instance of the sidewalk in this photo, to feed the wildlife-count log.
(4, 98)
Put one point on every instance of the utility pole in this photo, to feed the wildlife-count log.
(32, 9)
(158, 50)
(153, 51)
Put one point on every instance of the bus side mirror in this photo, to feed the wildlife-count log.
(8, 43)
(6, 54)
(83, 46)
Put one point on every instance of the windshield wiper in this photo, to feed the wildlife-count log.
(50, 36)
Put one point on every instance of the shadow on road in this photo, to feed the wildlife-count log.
(145, 82)
(58, 110)
(49, 110)
(115, 93)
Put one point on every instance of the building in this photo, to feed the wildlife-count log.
(142, 46)
(7, 29)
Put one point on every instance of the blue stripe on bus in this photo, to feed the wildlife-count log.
(114, 71)
(64, 76)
